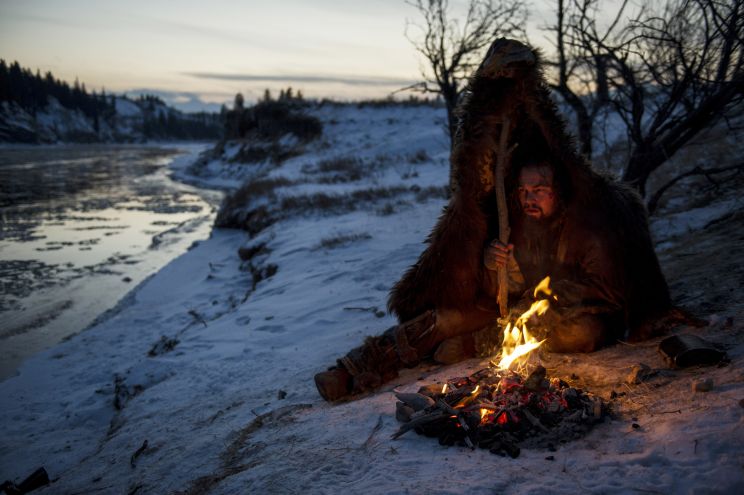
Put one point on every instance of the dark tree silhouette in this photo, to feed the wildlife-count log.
(32, 91)
(669, 71)
(452, 48)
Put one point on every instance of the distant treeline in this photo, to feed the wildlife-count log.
(270, 119)
(32, 91)
(162, 122)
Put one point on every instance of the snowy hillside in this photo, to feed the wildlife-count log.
(202, 380)
(131, 121)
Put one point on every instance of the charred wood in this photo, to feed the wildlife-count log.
(501, 411)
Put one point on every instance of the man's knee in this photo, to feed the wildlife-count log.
(453, 322)
(587, 333)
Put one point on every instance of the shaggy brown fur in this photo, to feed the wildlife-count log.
(450, 273)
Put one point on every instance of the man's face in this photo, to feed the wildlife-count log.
(536, 193)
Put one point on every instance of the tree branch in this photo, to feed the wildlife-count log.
(653, 202)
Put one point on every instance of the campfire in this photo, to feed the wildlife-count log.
(509, 404)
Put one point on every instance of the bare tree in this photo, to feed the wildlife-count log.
(453, 48)
(580, 74)
(670, 71)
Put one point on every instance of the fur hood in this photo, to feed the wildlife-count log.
(450, 273)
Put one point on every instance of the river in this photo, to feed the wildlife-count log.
(82, 225)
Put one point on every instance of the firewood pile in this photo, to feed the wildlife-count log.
(501, 411)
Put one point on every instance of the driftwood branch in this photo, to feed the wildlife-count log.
(504, 230)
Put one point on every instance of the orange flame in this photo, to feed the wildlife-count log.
(518, 342)
(483, 414)
(544, 288)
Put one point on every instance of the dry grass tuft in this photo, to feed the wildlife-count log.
(342, 240)
(420, 156)
(338, 203)
(255, 189)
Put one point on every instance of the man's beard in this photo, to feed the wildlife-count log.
(538, 240)
(540, 233)
(537, 227)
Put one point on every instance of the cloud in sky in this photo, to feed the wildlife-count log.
(342, 49)
(326, 48)
(306, 78)
(228, 35)
(15, 17)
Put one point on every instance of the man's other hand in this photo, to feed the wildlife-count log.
(497, 254)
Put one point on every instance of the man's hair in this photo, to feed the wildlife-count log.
(538, 164)
(561, 181)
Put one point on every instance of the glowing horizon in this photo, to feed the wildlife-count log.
(188, 51)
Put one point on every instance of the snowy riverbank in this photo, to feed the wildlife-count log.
(213, 376)
(81, 226)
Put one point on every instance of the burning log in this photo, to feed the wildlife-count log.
(497, 408)
(500, 411)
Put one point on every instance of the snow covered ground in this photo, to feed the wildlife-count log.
(202, 383)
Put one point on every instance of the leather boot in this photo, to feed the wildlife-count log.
(333, 384)
(379, 359)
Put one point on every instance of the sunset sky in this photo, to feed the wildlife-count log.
(197, 51)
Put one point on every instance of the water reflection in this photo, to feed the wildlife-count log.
(35, 177)
(79, 226)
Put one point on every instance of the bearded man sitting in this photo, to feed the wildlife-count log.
(585, 230)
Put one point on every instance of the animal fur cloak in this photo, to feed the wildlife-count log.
(450, 272)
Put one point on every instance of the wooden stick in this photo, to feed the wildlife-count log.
(420, 421)
(504, 230)
(441, 404)
(377, 427)
(137, 454)
(532, 419)
(460, 419)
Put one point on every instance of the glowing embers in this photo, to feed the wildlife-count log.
(500, 410)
